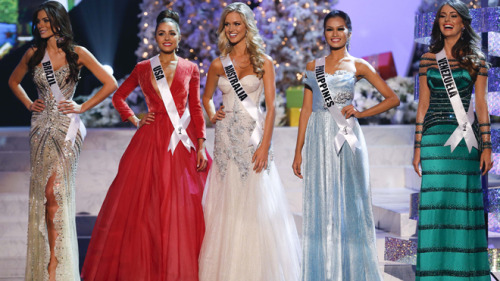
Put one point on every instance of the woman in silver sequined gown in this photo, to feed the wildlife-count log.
(52, 245)
(250, 232)
(338, 230)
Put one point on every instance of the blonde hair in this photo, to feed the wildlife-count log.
(253, 40)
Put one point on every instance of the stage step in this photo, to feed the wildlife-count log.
(12, 269)
(391, 207)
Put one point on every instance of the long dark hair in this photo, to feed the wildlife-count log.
(340, 14)
(61, 26)
(466, 50)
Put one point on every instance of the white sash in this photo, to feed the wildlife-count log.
(346, 126)
(180, 124)
(75, 123)
(247, 103)
(464, 119)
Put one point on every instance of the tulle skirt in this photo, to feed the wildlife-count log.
(150, 227)
(250, 231)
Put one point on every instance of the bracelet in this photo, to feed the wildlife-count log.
(484, 124)
(419, 124)
(418, 132)
(138, 124)
(486, 133)
(486, 144)
(418, 144)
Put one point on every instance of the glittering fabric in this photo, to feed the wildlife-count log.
(51, 155)
(338, 229)
(400, 250)
(250, 232)
(451, 227)
(440, 110)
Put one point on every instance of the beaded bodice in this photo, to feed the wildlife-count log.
(440, 110)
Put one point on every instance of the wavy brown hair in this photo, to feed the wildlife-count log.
(466, 50)
(61, 26)
(255, 44)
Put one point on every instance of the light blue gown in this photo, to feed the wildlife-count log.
(338, 232)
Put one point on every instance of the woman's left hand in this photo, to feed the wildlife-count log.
(69, 106)
(201, 162)
(485, 162)
(349, 111)
(260, 159)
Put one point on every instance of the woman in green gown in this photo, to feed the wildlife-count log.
(453, 148)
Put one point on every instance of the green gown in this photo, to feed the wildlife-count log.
(452, 242)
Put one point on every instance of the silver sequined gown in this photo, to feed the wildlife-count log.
(50, 155)
(250, 232)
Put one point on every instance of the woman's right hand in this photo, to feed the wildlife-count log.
(147, 119)
(416, 161)
(219, 115)
(37, 106)
(297, 161)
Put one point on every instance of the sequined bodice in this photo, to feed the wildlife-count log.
(440, 110)
(232, 134)
(341, 84)
(50, 113)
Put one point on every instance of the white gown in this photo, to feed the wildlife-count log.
(250, 231)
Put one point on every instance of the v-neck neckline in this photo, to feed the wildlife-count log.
(158, 94)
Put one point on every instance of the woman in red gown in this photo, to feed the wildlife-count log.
(150, 226)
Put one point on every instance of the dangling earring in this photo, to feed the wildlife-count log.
(59, 39)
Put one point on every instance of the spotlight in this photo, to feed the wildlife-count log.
(108, 69)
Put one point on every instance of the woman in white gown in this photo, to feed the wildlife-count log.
(250, 232)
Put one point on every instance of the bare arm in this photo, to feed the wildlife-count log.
(423, 106)
(15, 83)
(260, 156)
(305, 113)
(483, 117)
(109, 83)
(208, 93)
(365, 70)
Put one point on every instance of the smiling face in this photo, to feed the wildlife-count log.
(167, 37)
(336, 33)
(450, 22)
(234, 28)
(43, 25)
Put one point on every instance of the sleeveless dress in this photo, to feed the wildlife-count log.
(338, 233)
(250, 232)
(150, 226)
(452, 242)
(50, 154)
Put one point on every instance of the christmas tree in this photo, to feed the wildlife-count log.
(293, 34)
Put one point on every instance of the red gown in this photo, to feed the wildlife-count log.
(150, 226)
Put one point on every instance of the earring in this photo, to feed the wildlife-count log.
(462, 34)
(59, 39)
(441, 36)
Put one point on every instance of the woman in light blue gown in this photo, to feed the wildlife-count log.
(338, 230)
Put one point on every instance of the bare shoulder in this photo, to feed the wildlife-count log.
(310, 65)
(362, 66)
(216, 67)
(80, 50)
(28, 55)
(268, 61)
(428, 56)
